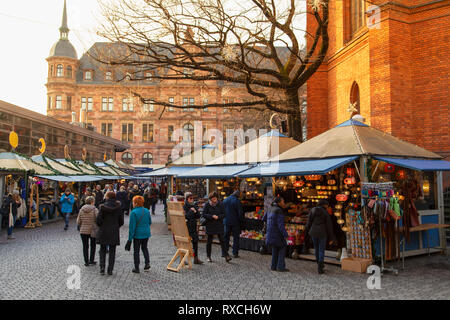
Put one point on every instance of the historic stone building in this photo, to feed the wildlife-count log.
(389, 59)
(90, 91)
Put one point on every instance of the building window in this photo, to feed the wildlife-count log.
(149, 77)
(49, 102)
(357, 15)
(83, 103)
(188, 128)
(191, 103)
(170, 133)
(108, 75)
(88, 75)
(205, 102)
(226, 101)
(127, 104)
(107, 129)
(354, 98)
(127, 132)
(185, 103)
(149, 106)
(171, 101)
(58, 102)
(69, 72)
(147, 158)
(90, 104)
(69, 102)
(147, 132)
(188, 72)
(127, 158)
(59, 70)
(107, 104)
(51, 71)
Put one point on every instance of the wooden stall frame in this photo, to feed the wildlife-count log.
(182, 240)
(33, 215)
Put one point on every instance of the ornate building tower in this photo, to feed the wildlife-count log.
(61, 80)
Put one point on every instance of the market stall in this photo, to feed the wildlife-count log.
(372, 199)
(221, 175)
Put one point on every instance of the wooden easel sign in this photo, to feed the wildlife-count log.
(182, 240)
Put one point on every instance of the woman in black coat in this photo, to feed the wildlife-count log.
(214, 214)
(192, 214)
(109, 220)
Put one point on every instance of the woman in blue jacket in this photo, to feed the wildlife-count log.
(67, 200)
(139, 232)
(276, 234)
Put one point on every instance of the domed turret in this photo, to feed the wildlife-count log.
(63, 48)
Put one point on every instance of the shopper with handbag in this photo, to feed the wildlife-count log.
(276, 234)
(139, 232)
(109, 221)
(192, 214)
(214, 214)
(320, 229)
(11, 205)
(88, 229)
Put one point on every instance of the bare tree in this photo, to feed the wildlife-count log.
(249, 43)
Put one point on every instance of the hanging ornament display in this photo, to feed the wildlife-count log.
(389, 168)
(299, 183)
(350, 171)
(314, 177)
(13, 139)
(43, 146)
(401, 174)
(350, 180)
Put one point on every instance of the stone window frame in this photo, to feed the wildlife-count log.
(60, 70)
(148, 124)
(69, 72)
(107, 132)
(127, 159)
(60, 102)
(147, 156)
(128, 133)
(86, 72)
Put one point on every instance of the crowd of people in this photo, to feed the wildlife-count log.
(102, 215)
(102, 211)
(223, 219)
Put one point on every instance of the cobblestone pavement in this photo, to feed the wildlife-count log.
(34, 266)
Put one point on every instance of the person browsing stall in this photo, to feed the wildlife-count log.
(276, 234)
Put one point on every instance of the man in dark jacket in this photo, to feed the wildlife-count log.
(214, 214)
(192, 214)
(320, 229)
(276, 234)
(98, 195)
(234, 216)
(109, 220)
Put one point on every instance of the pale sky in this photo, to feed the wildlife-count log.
(28, 30)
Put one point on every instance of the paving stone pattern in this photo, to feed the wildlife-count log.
(34, 266)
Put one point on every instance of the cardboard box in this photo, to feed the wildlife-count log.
(355, 264)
